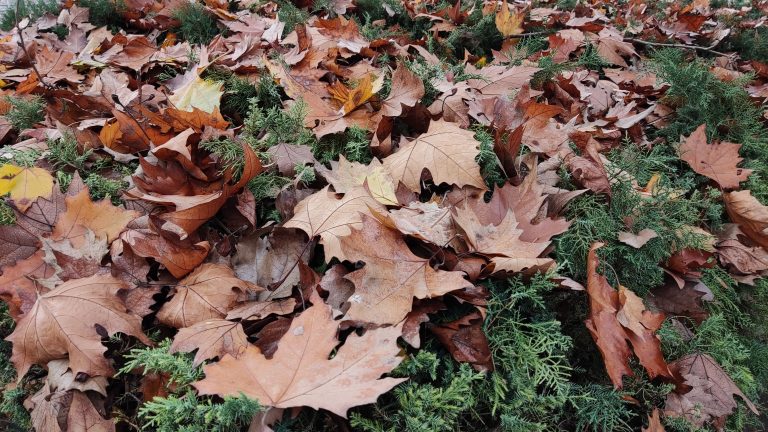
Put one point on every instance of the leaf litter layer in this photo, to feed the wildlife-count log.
(402, 215)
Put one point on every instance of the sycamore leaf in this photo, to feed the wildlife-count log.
(207, 293)
(407, 90)
(345, 175)
(616, 317)
(445, 150)
(392, 276)
(711, 391)
(20, 283)
(197, 93)
(211, 338)
(509, 23)
(717, 161)
(63, 322)
(24, 185)
(60, 411)
(270, 260)
(326, 215)
(301, 374)
(102, 218)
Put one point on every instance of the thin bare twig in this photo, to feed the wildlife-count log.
(708, 49)
(23, 46)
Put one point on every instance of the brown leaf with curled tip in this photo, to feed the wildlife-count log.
(407, 90)
(82, 215)
(300, 372)
(751, 216)
(710, 397)
(717, 161)
(207, 293)
(618, 317)
(332, 218)
(63, 322)
(211, 338)
(447, 151)
(392, 276)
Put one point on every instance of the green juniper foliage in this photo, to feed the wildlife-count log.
(182, 410)
(105, 12)
(33, 9)
(291, 15)
(25, 112)
(11, 399)
(7, 216)
(602, 409)
(354, 144)
(196, 25)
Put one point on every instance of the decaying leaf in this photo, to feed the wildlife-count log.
(24, 185)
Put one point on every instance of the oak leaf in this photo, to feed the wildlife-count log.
(445, 150)
(392, 276)
(25, 185)
(407, 90)
(711, 391)
(616, 317)
(63, 322)
(326, 215)
(211, 338)
(717, 161)
(207, 293)
(345, 175)
(301, 374)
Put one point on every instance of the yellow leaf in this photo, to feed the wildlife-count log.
(380, 186)
(353, 98)
(197, 93)
(509, 23)
(25, 185)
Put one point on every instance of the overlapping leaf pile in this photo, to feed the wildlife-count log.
(377, 247)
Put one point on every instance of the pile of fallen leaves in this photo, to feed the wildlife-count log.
(316, 310)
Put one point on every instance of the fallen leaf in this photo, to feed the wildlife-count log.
(406, 90)
(637, 240)
(618, 317)
(197, 93)
(466, 341)
(509, 23)
(717, 161)
(207, 293)
(62, 323)
(392, 276)
(711, 391)
(331, 218)
(751, 216)
(445, 150)
(83, 215)
(25, 185)
(211, 338)
(654, 422)
(301, 374)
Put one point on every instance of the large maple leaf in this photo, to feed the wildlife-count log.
(301, 374)
(616, 317)
(63, 323)
(717, 161)
(392, 277)
(446, 150)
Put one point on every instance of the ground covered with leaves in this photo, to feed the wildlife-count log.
(384, 216)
